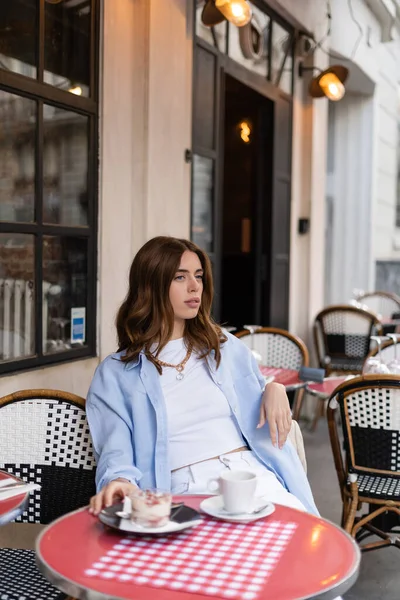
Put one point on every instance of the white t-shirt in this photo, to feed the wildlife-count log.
(200, 421)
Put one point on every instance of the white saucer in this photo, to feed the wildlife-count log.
(214, 506)
(108, 517)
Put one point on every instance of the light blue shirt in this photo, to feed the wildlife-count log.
(128, 421)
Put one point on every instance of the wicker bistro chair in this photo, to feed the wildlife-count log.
(382, 303)
(369, 470)
(342, 337)
(44, 438)
(279, 349)
(387, 351)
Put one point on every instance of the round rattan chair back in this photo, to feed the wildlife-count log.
(277, 347)
(342, 337)
(381, 303)
(45, 438)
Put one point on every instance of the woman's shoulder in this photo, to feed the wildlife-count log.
(114, 364)
(234, 346)
(114, 377)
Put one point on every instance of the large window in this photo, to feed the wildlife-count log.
(48, 181)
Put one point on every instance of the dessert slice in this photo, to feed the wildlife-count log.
(151, 508)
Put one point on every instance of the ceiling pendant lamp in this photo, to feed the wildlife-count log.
(237, 12)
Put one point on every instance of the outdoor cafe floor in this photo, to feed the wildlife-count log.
(379, 577)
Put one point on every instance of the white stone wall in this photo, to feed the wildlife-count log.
(362, 142)
(308, 181)
(386, 238)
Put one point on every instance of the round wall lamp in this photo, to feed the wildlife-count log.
(237, 12)
(245, 131)
(329, 83)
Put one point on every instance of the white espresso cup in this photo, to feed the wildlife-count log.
(237, 489)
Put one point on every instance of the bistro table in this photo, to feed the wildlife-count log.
(288, 377)
(11, 508)
(296, 556)
(324, 389)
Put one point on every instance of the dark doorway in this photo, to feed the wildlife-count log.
(247, 205)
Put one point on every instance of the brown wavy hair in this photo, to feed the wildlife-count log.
(146, 316)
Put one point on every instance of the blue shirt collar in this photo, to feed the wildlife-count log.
(132, 363)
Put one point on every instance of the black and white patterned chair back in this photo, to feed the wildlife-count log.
(370, 413)
(277, 348)
(381, 303)
(342, 337)
(47, 441)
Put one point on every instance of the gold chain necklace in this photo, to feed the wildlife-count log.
(180, 375)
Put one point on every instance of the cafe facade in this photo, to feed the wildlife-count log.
(127, 119)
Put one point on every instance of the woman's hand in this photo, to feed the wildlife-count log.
(275, 410)
(117, 489)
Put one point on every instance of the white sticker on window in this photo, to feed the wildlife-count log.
(78, 325)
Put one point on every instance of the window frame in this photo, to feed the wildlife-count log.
(44, 93)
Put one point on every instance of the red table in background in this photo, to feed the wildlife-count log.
(320, 560)
(11, 509)
(287, 377)
(326, 388)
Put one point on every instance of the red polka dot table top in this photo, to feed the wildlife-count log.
(286, 556)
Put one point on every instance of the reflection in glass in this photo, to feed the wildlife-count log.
(65, 167)
(67, 46)
(17, 300)
(202, 203)
(216, 36)
(204, 100)
(248, 45)
(18, 36)
(281, 58)
(64, 291)
(17, 158)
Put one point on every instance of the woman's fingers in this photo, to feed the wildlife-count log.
(106, 496)
(273, 430)
(96, 503)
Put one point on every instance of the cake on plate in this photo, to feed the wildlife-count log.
(151, 508)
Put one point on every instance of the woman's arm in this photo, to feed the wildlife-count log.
(275, 407)
(275, 410)
(111, 433)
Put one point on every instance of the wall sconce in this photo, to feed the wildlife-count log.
(237, 12)
(329, 83)
(245, 131)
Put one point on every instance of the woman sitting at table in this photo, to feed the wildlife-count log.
(181, 401)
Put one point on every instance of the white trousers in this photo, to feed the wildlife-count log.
(194, 478)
